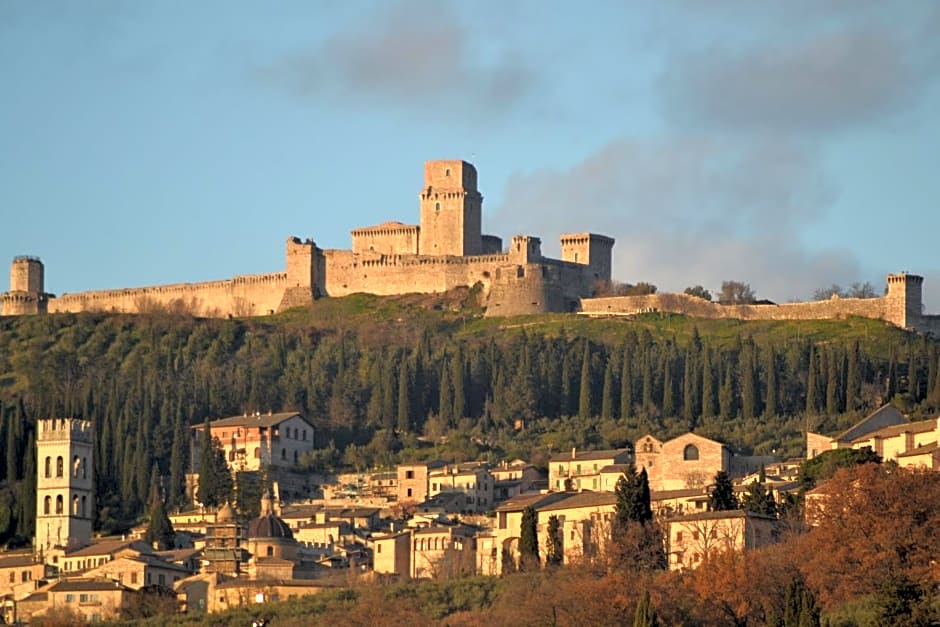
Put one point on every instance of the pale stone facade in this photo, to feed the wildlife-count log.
(581, 470)
(694, 538)
(65, 503)
(687, 461)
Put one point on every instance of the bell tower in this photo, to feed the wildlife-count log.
(451, 210)
(65, 505)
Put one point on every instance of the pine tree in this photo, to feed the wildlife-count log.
(528, 540)
(721, 496)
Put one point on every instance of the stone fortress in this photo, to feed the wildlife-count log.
(446, 251)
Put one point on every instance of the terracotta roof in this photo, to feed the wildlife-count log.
(662, 495)
(589, 455)
(269, 526)
(254, 420)
(520, 502)
(80, 585)
(582, 499)
(921, 426)
(14, 561)
(615, 468)
(109, 547)
(731, 513)
(921, 450)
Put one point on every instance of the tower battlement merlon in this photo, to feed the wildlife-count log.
(66, 429)
(451, 210)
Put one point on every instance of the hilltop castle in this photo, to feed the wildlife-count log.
(447, 250)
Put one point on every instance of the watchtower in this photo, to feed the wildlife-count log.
(451, 210)
(904, 301)
(591, 250)
(27, 288)
(65, 504)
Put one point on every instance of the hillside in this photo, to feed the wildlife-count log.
(374, 373)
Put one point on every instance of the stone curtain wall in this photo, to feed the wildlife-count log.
(700, 308)
(248, 295)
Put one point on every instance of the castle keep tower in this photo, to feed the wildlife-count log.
(591, 250)
(904, 300)
(65, 504)
(27, 290)
(451, 210)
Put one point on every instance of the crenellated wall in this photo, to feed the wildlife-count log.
(248, 295)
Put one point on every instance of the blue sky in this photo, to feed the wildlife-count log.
(788, 145)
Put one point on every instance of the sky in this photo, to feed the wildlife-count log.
(788, 145)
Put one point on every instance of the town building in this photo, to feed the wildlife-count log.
(65, 502)
(693, 538)
(257, 441)
(581, 470)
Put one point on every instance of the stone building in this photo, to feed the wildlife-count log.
(693, 538)
(581, 470)
(446, 250)
(687, 461)
(65, 503)
(254, 442)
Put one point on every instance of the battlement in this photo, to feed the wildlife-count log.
(64, 429)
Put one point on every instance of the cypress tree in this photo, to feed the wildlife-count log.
(584, 389)
(626, 386)
(770, 403)
(669, 386)
(458, 378)
(832, 384)
(748, 383)
(554, 555)
(853, 379)
(645, 615)
(726, 395)
(607, 400)
(159, 529)
(445, 403)
(811, 385)
(528, 540)
(647, 383)
(404, 398)
(177, 489)
(708, 385)
(721, 497)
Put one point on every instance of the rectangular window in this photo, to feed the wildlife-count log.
(409, 474)
(678, 536)
(133, 577)
(83, 598)
(69, 598)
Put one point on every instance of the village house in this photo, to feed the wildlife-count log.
(95, 600)
(413, 483)
(20, 573)
(253, 442)
(581, 469)
(473, 482)
(692, 538)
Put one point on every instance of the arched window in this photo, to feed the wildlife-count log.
(257, 453)
(75, 505)
(76, 463)
(437, 206)
(295, 457)
(84, 506)
(59, 504)
(59, 466)
(270, 551)
(48, 466)
(84, 468)
(690, 454)
(46, 504)
(284, 454)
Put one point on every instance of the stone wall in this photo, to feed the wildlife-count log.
(248, 295)
(700, 308)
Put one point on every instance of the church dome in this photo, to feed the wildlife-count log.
(269, 526)
(225, 514)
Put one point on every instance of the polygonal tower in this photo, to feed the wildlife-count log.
(27, 291)
(451, 210)
(65, 503)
